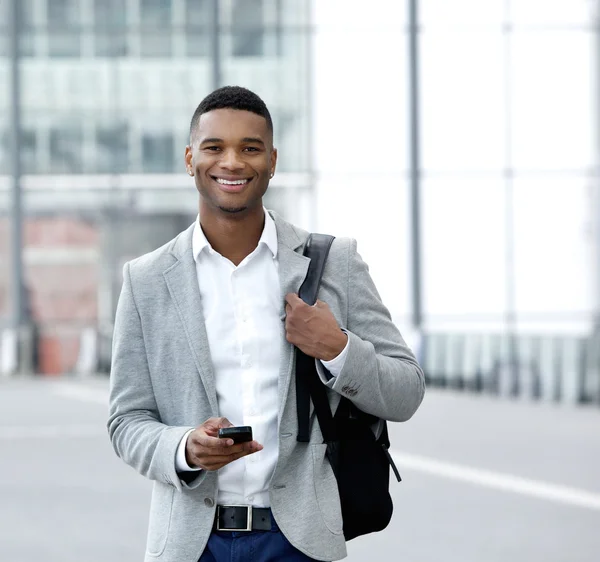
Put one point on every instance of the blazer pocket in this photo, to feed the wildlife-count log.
(326, 490)
(160, 518)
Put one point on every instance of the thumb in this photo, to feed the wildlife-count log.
(292, 299)
(224, 422)
(214, 424)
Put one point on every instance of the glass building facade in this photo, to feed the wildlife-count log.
(108, 88)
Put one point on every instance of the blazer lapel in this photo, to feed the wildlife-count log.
(182, 282)
(293, 267)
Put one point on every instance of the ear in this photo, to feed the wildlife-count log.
(188, 160)
(273, 163)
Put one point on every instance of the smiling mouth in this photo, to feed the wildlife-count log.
(240, 182)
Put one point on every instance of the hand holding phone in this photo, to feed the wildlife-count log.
(215, 443)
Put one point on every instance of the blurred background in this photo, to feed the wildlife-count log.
(457, 140)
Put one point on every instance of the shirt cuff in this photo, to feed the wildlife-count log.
(329, 369)
(181, 464)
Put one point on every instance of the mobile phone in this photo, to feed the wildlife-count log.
(239, 434)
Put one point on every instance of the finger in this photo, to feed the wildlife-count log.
(293, 299)
(252, 446)
(211, 442)
(248, 447)
(208, 455)
(212, 425)
(214, 462)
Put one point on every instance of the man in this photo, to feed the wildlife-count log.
(204, 338)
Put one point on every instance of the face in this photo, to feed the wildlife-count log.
(232, 160)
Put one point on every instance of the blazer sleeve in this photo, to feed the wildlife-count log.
(381, 375)
(136, 432)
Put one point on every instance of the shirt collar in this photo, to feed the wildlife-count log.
(268, 237)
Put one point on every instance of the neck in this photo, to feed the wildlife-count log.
(234, 237)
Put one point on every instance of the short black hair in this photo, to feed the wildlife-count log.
(231, 97)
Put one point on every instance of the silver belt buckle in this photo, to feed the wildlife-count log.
(248, 519)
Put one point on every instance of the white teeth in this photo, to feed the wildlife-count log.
(236, 182)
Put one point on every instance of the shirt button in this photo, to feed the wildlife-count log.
(209, 502)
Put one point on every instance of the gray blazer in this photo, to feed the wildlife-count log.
(163, 384)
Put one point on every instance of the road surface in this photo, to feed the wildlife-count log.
(484, 480)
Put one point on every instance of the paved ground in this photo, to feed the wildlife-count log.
(484, 481)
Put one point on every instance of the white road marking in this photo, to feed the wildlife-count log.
(499, 481)
(471, 475)
(83, 393)
(17, 432)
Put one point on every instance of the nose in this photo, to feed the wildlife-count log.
(231, 161)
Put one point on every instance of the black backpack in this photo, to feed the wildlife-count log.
(360, 461)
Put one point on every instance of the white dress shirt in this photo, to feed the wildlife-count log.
(242, 309)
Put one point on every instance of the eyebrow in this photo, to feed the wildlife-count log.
(253, 139)
(244, 140)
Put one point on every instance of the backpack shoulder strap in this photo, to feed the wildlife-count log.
(317, 249)
(307, 380)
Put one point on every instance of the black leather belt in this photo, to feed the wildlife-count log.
(242, 518)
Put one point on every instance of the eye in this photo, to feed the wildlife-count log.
(251, 149)
(212, 148)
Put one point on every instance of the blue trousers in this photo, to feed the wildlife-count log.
(251, 546)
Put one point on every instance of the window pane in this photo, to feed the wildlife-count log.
(63, 13)
(197, 42)
(333, 128)
(155, 13)
(65, 149)
(557, 12)
(471, 238)
(199, 22)
(64, 44)
(28, 152)
(27, 34)
(63, 26)
(549, 224)
(156, 28)
(462, 12)
(198, 12)
(157, 152)
(247, 28)
(110, 44)
(110, 28)
(553, 97)
(156, 43)
(109, 13)
(462, 96)
(112, 149)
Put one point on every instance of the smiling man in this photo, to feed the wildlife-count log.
(204, 340)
